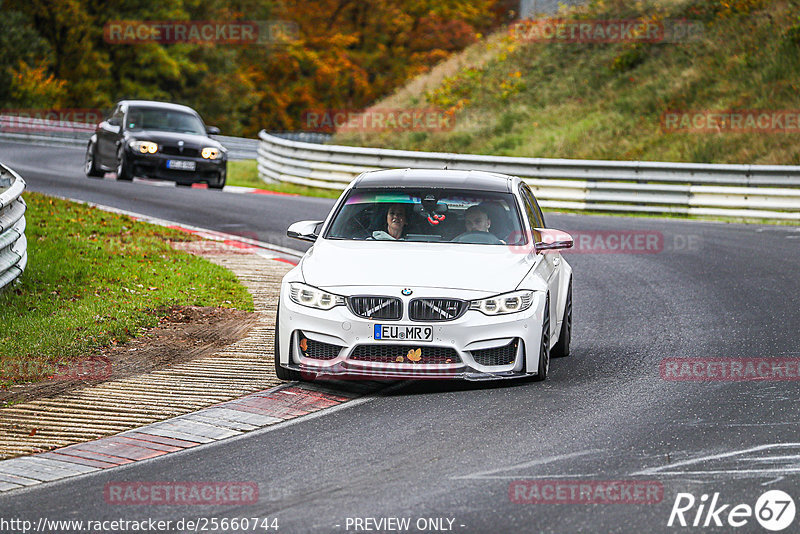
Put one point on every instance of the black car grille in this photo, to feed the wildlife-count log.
(497, 356)
(318, 350)
(436, 309)
(404, 354)
(175, 151)
(389, 308)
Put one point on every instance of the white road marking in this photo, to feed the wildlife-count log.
(670, 469)
(533, 463)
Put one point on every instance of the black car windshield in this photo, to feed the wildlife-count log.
(165, 120)
(429, 216)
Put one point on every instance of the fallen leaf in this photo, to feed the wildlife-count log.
(414, 355)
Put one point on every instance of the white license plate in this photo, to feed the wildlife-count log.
(399, 332)
(181, 165)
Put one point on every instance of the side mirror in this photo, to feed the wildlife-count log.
(550, 239)
(212, 130)
(305, 230)
(114, 121)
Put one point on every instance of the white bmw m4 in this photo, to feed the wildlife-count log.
(426, 274)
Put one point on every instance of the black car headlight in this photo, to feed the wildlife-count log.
(210, 152)
(313, 297)
(143, 147)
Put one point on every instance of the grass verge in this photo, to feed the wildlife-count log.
(95, 279)
(606, 101)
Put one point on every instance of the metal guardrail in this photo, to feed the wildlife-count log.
(13, 245)
(45, 132)
(752, 191)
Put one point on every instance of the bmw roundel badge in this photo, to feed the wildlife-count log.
(406, 292)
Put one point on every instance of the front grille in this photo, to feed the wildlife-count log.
(175, 151)
(318, 350)
(404, 354)
(497, 356)
(389, 308)
(436, 309)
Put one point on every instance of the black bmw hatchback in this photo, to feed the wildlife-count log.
(157, 140)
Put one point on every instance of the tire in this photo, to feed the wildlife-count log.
(561, 348)
(90, 163)
(123, 167)
(218, 185)
(280, 372)
(544, 346)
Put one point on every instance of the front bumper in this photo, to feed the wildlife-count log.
(347, 339)
(155, 166)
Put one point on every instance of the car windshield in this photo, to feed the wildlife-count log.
(165, 120)
(429, 216)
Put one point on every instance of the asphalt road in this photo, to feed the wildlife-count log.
(59, 171)
(444, 450)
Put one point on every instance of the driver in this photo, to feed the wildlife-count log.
(477, 224)
(477, 220)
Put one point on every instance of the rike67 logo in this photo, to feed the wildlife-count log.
(774, 510)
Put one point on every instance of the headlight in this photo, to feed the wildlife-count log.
(144, 147)
(310, 296)
(210, 153)
(513, 302)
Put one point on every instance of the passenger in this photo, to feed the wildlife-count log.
(396, 222)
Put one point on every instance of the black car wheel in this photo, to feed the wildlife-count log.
(544, 346)
(90, 166)
(123, 167)
(218, 185)
(561, 348)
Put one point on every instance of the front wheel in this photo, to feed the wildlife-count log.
(281, 372)
(90, 164)
(544, 346)
(218, 185)
(561, 348)
(123, 167)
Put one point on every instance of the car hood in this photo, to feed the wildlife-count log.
(172, 138)
(491, 268)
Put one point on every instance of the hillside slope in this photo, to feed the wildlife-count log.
(606, 101)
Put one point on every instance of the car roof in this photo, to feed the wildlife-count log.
(157, 104)
(470, 180)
